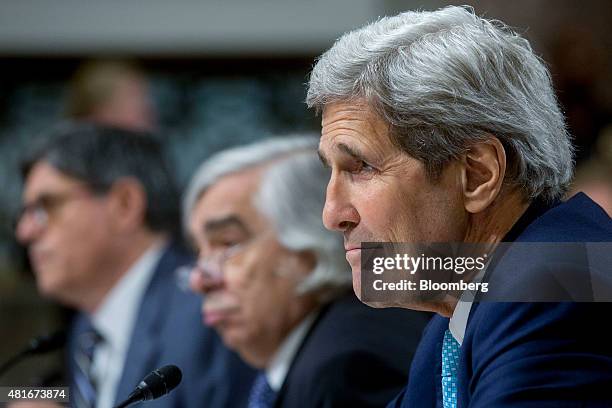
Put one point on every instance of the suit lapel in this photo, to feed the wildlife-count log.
(145, 347)
(288, 378)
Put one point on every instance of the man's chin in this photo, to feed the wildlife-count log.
(50, 289)
(374, 304)
(232, 337)
(379, 305)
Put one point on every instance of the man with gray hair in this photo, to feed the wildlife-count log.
(443, 127)
(278, 288)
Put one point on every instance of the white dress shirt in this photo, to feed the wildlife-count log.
(115, 319)
(277, 370)
(459, 320)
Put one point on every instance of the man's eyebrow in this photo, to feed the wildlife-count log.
(351, 151)
(225, 222)
(344, 148)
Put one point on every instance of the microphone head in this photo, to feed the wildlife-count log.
(160, 382)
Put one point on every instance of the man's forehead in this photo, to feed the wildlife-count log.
(357, 134)
(355, 119)
(229, 201)
(337, 110)
(44, 178)
(232, 189)
(214, 204)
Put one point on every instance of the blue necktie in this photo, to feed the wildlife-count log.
(450, 362)
(84, 392)
(262, 395)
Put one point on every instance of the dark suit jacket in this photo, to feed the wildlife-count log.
(353, 356)
(527, 354)
(169, 330)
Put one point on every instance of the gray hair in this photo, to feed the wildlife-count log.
(291, 196)
(447, 79)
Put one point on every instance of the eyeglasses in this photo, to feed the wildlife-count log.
(214, 266)
(210, 267)
(41, 209)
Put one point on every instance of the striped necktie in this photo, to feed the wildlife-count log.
(84, 390)
(450, 362)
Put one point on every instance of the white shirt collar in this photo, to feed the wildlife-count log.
(277, 370)
(124, 300)
(459, 320)
(115, 320)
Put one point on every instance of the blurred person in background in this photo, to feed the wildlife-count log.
(100, 211)
(444, 127)
(277, 286)
(111, 92)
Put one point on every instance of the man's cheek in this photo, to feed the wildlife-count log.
(237, 278)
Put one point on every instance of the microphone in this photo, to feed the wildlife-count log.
(37, 345)
(156, 384)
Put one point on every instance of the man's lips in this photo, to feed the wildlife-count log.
(353, 255)
(216, 315)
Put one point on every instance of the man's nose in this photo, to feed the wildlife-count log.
(27, 230)
(206, 277)
(338, 212)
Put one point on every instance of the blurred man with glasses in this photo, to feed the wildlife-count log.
(277, 287)
(99, 216)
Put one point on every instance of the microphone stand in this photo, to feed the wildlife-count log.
(8, 364)
(37, 345)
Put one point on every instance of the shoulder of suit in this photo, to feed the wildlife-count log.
(579, 219)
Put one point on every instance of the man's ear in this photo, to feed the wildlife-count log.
(128, 203)
(484, 167)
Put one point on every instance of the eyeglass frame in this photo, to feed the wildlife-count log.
(206, 266)
(40, 212)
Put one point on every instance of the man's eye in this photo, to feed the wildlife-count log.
(229, 244)
(363, 167)
(366, 167)
(45, 202)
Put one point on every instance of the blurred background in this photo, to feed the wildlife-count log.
(211, 74)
